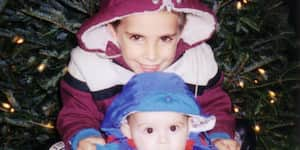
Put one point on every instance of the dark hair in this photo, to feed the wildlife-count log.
(116, 23)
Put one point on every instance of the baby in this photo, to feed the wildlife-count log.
(156, 111)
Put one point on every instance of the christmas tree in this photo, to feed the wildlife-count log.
(255, 45)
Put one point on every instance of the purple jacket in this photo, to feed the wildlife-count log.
(96, 74)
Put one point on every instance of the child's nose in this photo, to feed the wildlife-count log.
(151, 52)
(163, 138)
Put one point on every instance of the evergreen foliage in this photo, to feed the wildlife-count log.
(255, 46)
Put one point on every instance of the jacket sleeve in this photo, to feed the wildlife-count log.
(215, 101)
(79, 110)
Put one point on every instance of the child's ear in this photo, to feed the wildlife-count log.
(112, 31)
(125, 129)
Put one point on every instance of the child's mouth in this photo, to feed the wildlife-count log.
(150, 68)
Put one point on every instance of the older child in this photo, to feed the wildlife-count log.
(132, 36)
(156, 111)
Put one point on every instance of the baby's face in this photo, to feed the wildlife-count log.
(158, 130)
(148, 41)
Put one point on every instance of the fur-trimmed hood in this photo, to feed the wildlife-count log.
(94, 36)
(89, 61)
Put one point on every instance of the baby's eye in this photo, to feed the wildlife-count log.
(149, 130)
(166, 38)
(136, 37)
(173, 128)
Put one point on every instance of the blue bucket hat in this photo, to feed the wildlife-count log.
(153, 92)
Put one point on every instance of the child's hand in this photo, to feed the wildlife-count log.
(90, 143)
(227, 144)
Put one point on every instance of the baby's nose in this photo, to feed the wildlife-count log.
(163, 138)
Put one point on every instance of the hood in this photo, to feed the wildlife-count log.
(94, 36)
(155, 92)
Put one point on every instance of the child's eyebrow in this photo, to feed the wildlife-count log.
(170, 35)
(180, 122)
(143, 125)
(165, 35)
(132, 33)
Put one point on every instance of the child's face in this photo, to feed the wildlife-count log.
(157, 130)
(148, 41)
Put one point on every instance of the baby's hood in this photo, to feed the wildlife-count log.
(94, 36)
(155, 92)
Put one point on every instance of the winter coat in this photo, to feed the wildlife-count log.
(96, 75)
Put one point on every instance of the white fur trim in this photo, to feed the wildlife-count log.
(97, 37)
(196, 66)
(98, 73)
(201, 124)
(198, 28)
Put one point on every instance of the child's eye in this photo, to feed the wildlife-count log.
(149, 130)
(136, 37)
(173, 128)
(166, 38)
